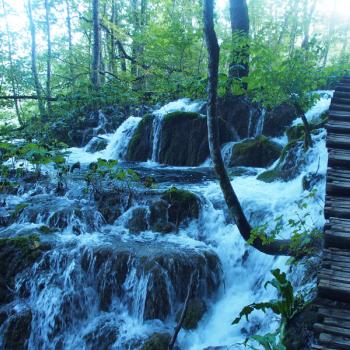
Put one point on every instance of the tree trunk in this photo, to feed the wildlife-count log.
(12, 73)
(278, 247)
(308, 15)
(96, 51)
(70, 40)
(34, 64)
(239, 68)
(49, 56)
(112, 39)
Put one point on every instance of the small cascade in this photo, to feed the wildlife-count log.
(226, 151)
(101, 127)
(250, 124)
(260, 123)
(118, 144)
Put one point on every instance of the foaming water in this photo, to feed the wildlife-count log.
(103, 284)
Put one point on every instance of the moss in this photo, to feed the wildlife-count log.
(179, 115)
(28, 245)
(158, 341)
(259, 152)
(275, 173)
(269, 176)
(138, 132)
(176, 195)
(182, 205)
(195, 311)
(46, 229)
(18, 209)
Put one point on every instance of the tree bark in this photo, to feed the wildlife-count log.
(96, 51)
(112, 47)
(278, 247)
(70, 39)
(34, 62)
(308, 15)
(239, 66)
(49, 56)
(12, 75)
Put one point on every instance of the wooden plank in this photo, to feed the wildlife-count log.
(333, 326)
(339, 331)
(332, 340)
(334, 313)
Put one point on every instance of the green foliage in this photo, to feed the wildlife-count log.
(109, 170)
(278, 78)
(270, 341)
(302, 227)
(287, 306)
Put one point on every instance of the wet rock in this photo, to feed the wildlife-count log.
(103, 336)
(158, 341)
(299, 330)
(162, 269)
(158, 217)
(138, 220)
(96, 144)
(277, 120)
(140, 146)
(182, 205)
(236, 112)
(17, 332)
(16, 255)
(259, 152)
(183, 140)
(311, 180)
(290, 164)
(195, 311)
(110, 204)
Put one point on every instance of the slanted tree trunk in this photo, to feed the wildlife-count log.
(96, 50)
(239, 66)
(34, 62)
(12, 72)
(49, 56)
(278, 247)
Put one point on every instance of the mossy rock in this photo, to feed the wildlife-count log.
(97, 144)
(179, 115)
(259, 152)
(141, 144)
(16, 255)
(296, 132)
(195, 311)
(311, 180)
(183, 205)
(158, 341)
(184, 139)
(289, 165)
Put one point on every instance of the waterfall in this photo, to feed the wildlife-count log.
(119, 142)
(101, 286)
(260, 123)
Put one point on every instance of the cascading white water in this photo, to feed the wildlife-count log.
(71, 281)
(116, 148)
(260, 123)
(119, 142)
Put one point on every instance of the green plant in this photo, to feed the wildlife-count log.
(287, 306)
(303, 229)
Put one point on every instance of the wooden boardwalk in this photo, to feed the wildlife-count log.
(333, 326)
